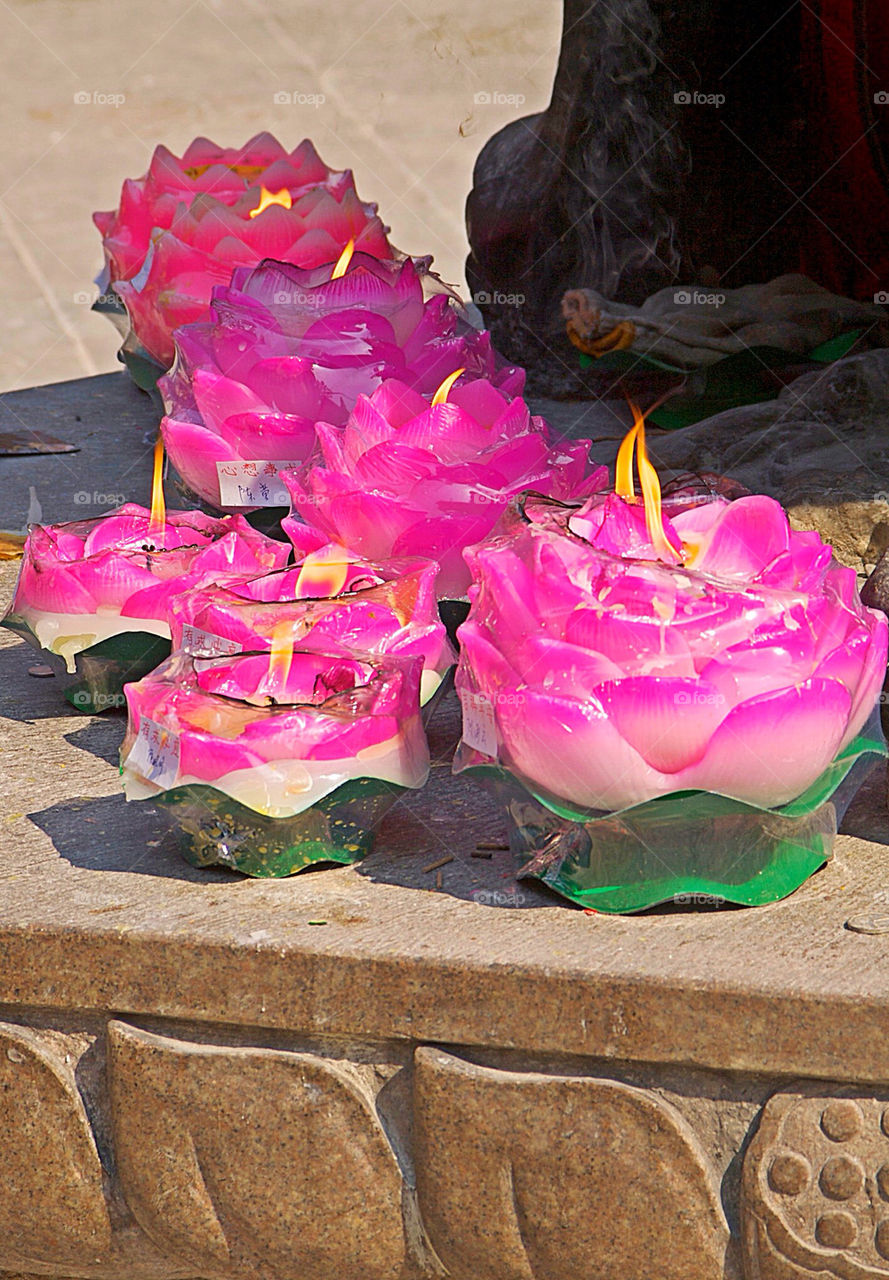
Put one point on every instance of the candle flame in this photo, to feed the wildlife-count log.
(343, 261)
(441, 395)
(648, 481)
(322, 575)
(267, 198)
(623, 468)
(158, 517)
(281, 656)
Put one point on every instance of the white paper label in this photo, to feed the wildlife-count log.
(252, 484)
(204, 644)
(479, 729)
(155, 753)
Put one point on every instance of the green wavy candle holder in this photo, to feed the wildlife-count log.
(687, 847)
(215, 830)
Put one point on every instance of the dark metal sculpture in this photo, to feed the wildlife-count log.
(669, 151)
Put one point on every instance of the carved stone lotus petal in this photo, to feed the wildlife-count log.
(544, 1177)
(52, 1207)
(254, 1163)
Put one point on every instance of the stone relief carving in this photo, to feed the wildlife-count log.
(238, 1163)
(527, 1176)
(52, 1207)
(815, 1187)
(254, 1162)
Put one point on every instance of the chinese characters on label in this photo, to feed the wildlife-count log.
(155, 753)
(204, 644)
(252, 484)
(479, 728)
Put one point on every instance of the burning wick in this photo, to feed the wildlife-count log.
(343, 261)
(634, 441)
(280, 658)
(441, 395)
(322, 575)
(266, 198)
(158, 517)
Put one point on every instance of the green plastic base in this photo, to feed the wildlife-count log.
(215, 830)
(105, 668)
(689, 847)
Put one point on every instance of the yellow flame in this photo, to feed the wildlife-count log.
(281, 655)
(343, 261)
(648, 481)
(266, 198)
(623, 468)
(158, 517)
(441, 395)
(322, 576)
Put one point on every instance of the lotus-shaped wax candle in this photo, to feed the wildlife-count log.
(619, 652)
(287, 347)
(96, 592)
(406, 477)
(329, 601)
(271, 761)
(182, 228)
(149, 204)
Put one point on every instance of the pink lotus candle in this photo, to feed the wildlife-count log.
(330, 602)
(406, 477)
(288, 347)
(271, 762)
(182, 228)
(88, 580)
(622, 652)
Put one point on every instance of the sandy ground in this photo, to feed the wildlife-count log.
(393, 90)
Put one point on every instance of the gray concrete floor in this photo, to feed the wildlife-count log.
(398, 81)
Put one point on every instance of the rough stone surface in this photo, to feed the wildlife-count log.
(60, 1218)
(875, 592)
(821, 448)
(570, 1177)
(252, 1162)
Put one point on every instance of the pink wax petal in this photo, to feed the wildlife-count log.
(570, 749)
(240, 551)
(619, 528)
(448, 430)
(482, 402)
(111, 578)
(546, 661)
(279, 437)
(393, 467)
(669, 721)
(304, 537)
(288, 384)
(194, 452)
(366, 428)
(749, 534)
(153, 601)
(769, 750)
(398, 403)
(218, 398)
(871, 676)
(52, 590)
(646, 648)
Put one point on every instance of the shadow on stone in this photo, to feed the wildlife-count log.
(26, 698)
(867, 817)
(107, 834)
(100, 737)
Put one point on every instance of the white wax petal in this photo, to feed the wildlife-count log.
(283, 788)
(67, 634)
